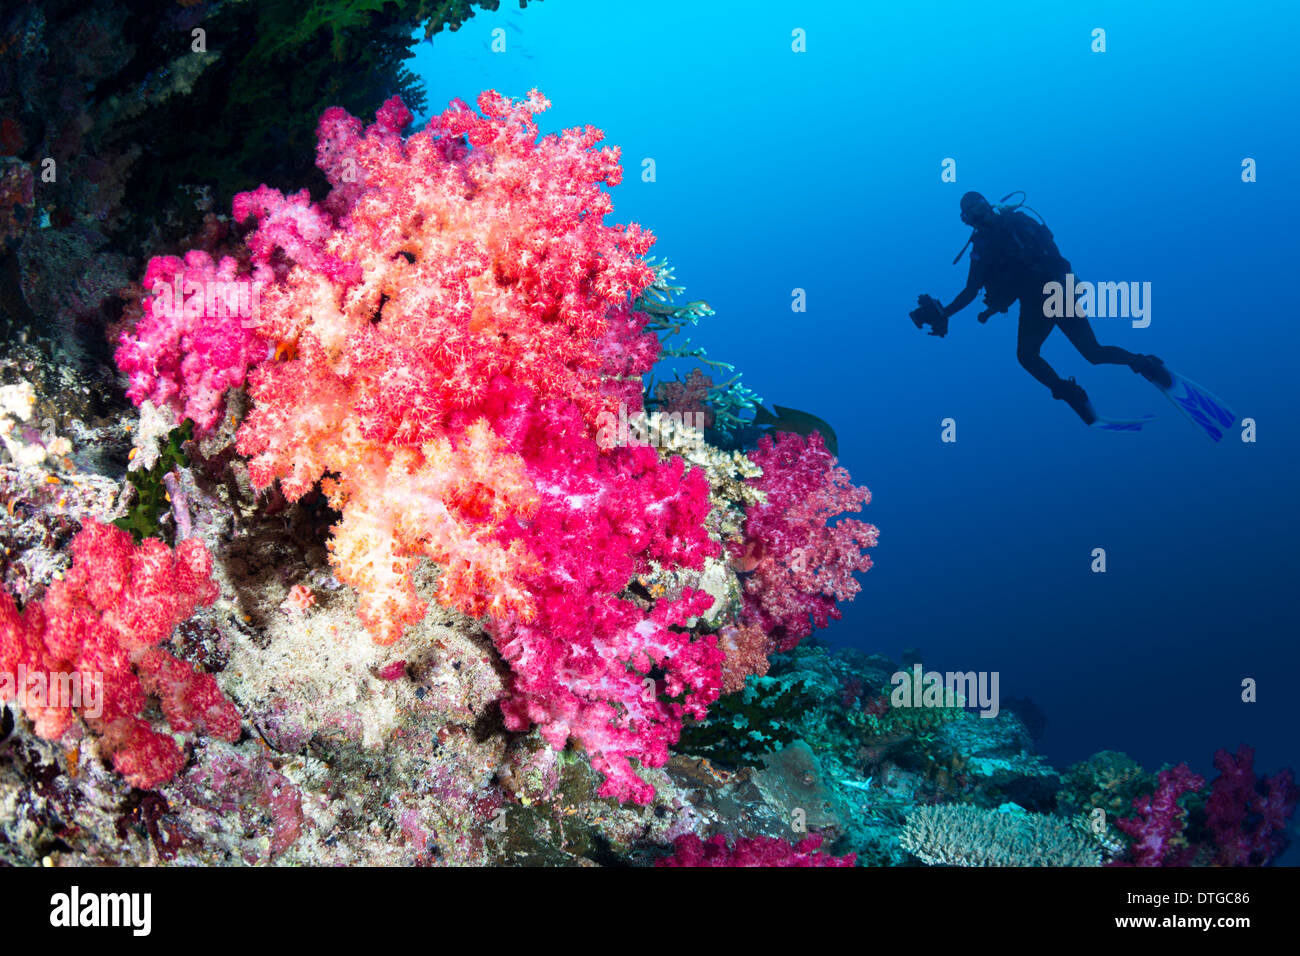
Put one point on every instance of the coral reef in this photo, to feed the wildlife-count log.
(421, 607)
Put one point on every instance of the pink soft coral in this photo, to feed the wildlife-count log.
(583, 662)
(195, 340)
(801, 563)
(690, 850)
(102, 625)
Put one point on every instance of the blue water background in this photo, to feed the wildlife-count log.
(821, 171)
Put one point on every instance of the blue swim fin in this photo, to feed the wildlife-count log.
(1200, 406)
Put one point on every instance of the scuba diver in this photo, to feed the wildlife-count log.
(1013, 257)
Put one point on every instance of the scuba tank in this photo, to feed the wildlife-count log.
(1002, 206)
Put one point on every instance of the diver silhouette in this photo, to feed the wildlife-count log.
(1013, 257)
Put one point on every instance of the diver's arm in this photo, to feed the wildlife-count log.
(974, 281)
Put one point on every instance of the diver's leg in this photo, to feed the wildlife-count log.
(1079, 331)
(1033, 332)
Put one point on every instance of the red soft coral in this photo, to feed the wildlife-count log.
(99, 630)
(801, 563)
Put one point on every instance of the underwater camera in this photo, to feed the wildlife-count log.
(929, 312)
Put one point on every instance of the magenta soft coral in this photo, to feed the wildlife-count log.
(195, 340)
(690, 850)
(1247, 816)
(104, 622)
(1158, 826)
(801, 562)
(582, 663)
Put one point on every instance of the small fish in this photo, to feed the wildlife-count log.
(801, 423)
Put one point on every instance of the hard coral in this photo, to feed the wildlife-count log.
(957, 834)
(801, 563)
(92, 647)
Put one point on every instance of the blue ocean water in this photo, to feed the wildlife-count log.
(821, 171)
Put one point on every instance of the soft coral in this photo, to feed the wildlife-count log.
(802, 563)
(1248, 816)
(431, 272)
(104, 622)
(591, 664)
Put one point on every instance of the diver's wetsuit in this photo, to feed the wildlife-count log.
(1035, 327)
(1001, 265)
